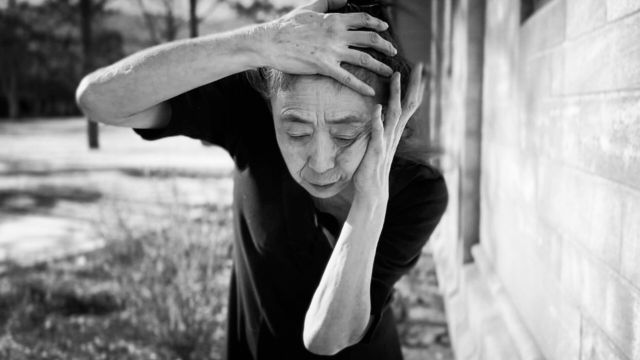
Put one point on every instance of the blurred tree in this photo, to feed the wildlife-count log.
(161, 21)
(193, 18)
(41, 62)
(86, 17)
(259, 10)
(12, 29)
(165, 19)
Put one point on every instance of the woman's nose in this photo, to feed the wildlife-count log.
(322, 157)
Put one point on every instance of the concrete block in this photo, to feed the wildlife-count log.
(535, 84)
(563, 200)
(500, 102)
(620, 8)
(584, 208)
(589, 63)
(597, 133)
(557, 71)
(510, 174)
(500, 109)
(605, 59)
(546, 310)
(548, 243)
(584, 16)
(544, 30)
(611, 302)
(630, 263)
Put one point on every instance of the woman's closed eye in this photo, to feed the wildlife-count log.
(346, 139)
(299, 135)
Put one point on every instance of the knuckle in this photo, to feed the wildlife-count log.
(389, 45)
(331, 24)
(346, 79)
(330, 18)
(364, 19)
(374, 38)
(363, 59)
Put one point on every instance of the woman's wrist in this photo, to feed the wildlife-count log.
(373, 207)
(255, 43)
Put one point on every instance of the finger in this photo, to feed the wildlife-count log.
(350, 80)
(394, 107)
(411, 100)
(378, 133)
(324, 5)
(362, 59)
(424, 84)
(362, 20)
(370, 39)
(377, 127)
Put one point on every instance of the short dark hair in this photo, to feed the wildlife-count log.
(268, 81)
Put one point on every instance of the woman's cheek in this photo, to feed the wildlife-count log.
(350, 157)
(293, 155)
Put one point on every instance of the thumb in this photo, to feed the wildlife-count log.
(325, 5)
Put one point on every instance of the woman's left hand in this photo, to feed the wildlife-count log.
(371, 180)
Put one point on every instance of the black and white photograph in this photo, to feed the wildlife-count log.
(319, 179)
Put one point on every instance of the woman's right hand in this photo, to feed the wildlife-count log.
(308, 41)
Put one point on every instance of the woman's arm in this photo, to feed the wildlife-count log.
(131, 91)
(339, 311)
(340, 308)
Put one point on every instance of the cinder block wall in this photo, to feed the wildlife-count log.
(560, 172)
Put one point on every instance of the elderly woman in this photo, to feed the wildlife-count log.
(326, 218)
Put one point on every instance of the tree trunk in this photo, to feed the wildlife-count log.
(171, 27)
(13, 100)
(193, 18)
(87, 62)
(14, 105)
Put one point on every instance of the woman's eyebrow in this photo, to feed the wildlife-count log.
(347, 120)
(295, 119)
(351, 119)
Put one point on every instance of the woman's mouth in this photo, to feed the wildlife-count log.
(323, 186)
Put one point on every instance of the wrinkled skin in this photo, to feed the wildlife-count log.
(335, 141)
(322, 133)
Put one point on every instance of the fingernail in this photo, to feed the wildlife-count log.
(385, 25)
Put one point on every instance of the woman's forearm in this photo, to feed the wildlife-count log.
(340, 309)
(151, 76)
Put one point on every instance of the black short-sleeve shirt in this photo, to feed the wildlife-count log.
(280, 251)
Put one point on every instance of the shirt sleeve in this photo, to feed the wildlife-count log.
(411, 218)
(213, 113)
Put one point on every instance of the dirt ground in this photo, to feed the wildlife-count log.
(55, 193)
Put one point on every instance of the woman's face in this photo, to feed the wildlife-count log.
(322, 131)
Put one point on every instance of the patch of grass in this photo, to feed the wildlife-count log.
(158, 290)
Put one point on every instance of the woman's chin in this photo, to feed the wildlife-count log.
(323, 191)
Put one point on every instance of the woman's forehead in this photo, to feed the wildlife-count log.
(310, 97)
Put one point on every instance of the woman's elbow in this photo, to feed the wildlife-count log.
(330, 342)
(91, 104)
(322, 345)
(85, 99)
